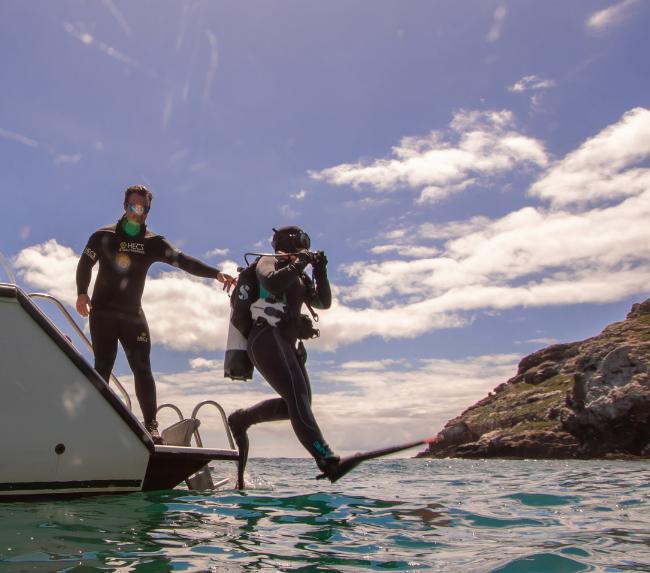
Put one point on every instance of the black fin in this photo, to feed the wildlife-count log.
(336, 471)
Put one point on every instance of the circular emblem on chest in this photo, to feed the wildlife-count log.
(123, 261)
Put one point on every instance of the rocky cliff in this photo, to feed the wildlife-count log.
(578, 400)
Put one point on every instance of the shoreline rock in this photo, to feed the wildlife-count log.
(587, 399)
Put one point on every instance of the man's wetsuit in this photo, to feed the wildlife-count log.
(272, 350)
(116, 311)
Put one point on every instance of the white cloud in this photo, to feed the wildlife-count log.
(119, 17)
(452, 229)
(603, 167)
(91, 41)
(370, 364)
(602, 20)
(205, 364)
(212, 66)
(531, 83)
(436, 194)
(49, 266)
(217, 252)
(366, 203)
(530, 257)
(484, 144)
(300, 195)
(18, 138)
(499, 16)
(63, 159)
(186, 313)
(416, 251)
(288, 211)
(539, 341)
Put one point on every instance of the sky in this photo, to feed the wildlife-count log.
(476, 172)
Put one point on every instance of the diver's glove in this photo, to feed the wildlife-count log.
(319, 260)
(319, 264)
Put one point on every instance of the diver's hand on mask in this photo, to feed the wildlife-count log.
(305, 258)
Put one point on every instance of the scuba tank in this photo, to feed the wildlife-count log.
(237, 365)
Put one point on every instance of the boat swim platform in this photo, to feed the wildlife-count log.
(66, 431)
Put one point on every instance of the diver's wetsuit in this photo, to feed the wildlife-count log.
(272, 350)
(116, 311)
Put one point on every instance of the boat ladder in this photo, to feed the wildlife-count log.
(181, 434)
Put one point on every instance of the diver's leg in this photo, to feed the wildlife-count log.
(104, 335)
(136, 341)
(240, 420)
(276, 360)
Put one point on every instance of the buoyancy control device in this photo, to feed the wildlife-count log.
(250, 302)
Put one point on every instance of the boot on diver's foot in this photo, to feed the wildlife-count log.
(238, 427)
(152, 428)
(334, 468)
(329, 465)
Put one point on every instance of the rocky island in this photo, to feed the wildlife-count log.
(588, 399)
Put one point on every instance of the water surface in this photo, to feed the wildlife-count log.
(391, 515)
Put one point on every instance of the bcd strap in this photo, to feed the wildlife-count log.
(312, 311)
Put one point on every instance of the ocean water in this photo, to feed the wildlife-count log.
(496, 516)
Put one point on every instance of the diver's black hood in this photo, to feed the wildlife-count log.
(290, 239)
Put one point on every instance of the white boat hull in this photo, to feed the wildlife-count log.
(64, 430)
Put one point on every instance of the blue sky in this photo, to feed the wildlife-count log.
(477, 173)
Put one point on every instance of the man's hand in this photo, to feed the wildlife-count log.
(227, 280)
(83, 304)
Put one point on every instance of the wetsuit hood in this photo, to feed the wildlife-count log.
(290, 239)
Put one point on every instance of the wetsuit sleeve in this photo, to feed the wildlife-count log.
(86, 263)
(276, 281)
(172, 256)
(320, 292)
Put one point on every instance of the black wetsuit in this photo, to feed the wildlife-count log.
(272, 349)
(116, 311)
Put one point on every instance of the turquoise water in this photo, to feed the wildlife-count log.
(390, 515)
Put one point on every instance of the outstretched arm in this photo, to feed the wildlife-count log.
(193, 265)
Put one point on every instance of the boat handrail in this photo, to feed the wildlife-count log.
(223, 418)
(83, 338)
(197, 435)
(173, 407)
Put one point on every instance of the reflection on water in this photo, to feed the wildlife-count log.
(395, 515)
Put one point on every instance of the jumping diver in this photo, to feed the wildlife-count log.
(274, 347)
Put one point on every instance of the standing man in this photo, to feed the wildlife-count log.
(125, 251)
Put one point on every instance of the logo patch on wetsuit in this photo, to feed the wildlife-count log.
(142, 337)
(132, 248)
(92, 254)
(244, 291)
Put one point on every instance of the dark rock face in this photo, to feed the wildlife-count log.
(578, 400)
